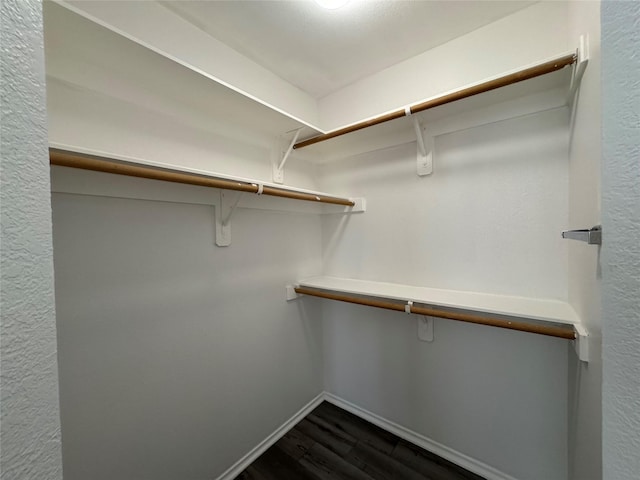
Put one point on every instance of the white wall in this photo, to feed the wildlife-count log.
(621, 248)
(30, 423)
(489, 220)
(177, 357)
(585, 379)
(528, 36)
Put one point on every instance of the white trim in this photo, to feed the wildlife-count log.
(421, 441)
(233, 471)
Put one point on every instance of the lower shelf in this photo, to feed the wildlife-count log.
(541, 316)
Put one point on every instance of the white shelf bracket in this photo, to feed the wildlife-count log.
(581, 343)
(424, 155)
(425, 324)
(580, 66)
(225, 208)
(425, 328)
(290, 293)
(278, 164)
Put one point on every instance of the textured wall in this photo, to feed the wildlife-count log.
(585, 153)
(621, 247)
(30, 431)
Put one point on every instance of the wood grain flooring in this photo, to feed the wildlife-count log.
(332, 444)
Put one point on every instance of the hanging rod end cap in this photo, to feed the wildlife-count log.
(359, 204)
(581, 343)
(290, 292)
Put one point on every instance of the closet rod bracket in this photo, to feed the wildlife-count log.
(278, 164)
(582, 60)
(425, 324)
(290, 292)
(581, 343)
(424, 155)
(425, 328)
(223, 212)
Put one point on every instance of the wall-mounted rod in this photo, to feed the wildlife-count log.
(519, 76)
(100, 164)
(550, 330)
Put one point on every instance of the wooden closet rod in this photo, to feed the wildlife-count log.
(101, 164)
(549, 330)
(520, 76)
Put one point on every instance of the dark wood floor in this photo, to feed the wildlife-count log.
(331, 443)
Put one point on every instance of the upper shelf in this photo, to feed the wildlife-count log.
(88, 56)
(131, 70)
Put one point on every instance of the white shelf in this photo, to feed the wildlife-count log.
(546, 310)
(132, 73)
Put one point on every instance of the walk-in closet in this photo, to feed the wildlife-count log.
(276, 224)
(189, 325)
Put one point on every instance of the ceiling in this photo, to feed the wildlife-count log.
(321, 51)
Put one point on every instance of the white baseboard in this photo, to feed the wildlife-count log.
(421, 441)
(235, 469)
